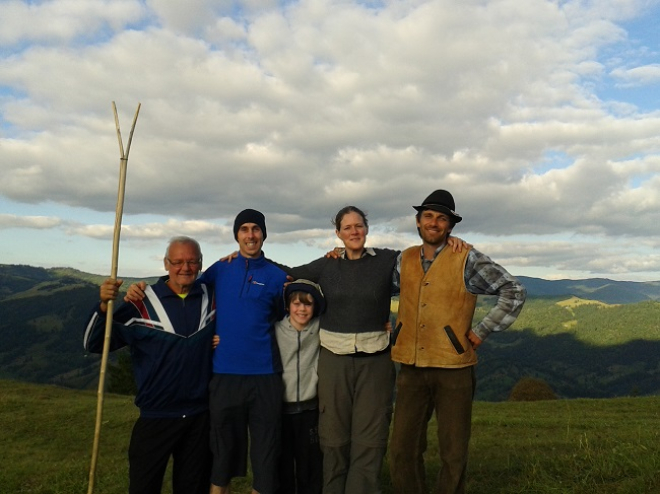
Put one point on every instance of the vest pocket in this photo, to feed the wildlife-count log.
(454, 340)
(395, 334)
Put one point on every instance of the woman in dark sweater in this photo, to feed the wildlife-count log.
(356, 374)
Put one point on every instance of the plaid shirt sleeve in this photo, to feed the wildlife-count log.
(483, 276)
(396, 276)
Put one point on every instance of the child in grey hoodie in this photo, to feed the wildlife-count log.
(301, 463)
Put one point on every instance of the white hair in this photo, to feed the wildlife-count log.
(183, 239)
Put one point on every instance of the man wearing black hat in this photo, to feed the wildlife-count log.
(246, 388)
(435, 344)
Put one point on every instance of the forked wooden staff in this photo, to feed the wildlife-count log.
(123, 162)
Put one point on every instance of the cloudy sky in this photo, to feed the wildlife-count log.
(541, 117)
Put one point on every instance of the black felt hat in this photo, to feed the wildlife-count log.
(441, 201)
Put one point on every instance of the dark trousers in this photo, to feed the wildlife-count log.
(185, 439)
(355, 402)
(242, 406)
(420, 391)
(301, 461)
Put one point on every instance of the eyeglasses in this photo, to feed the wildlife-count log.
(179, 263)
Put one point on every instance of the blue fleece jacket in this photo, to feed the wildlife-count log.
(171, 346)
(249, 300)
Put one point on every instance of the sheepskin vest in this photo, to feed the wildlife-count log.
(435, 312)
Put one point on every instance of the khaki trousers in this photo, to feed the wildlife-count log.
(420, 391)
(355, 404)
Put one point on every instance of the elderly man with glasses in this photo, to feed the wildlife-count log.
(170, 334)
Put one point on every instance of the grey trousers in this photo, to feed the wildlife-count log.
(355, 405)
(419, 391)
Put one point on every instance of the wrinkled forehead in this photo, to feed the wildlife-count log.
(184, 249)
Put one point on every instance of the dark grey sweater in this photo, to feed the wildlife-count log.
(357, 292)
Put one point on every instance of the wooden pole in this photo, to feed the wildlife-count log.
(123, 162)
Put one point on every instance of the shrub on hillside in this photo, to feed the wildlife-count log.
(532, 389)
(122, 380)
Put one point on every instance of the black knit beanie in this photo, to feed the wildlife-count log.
(250, 216)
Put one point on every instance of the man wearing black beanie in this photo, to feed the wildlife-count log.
(250, 216)
(246, 388)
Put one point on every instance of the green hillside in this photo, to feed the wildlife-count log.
(43, 316)
(582, 348)
(592, 322)
(559, 447)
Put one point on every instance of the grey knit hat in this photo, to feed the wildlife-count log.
(308, 287)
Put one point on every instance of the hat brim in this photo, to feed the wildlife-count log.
(319, 301)
(440, 209)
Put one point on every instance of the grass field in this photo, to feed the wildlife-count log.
(564, 446)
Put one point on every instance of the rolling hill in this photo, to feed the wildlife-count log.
(601, 289)
(586, 338)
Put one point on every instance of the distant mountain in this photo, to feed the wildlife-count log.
(601, 289)
(586, 338)
(18, 278)
(21, 280)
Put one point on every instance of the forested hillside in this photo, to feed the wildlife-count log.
(582, 348)
(43, 312)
